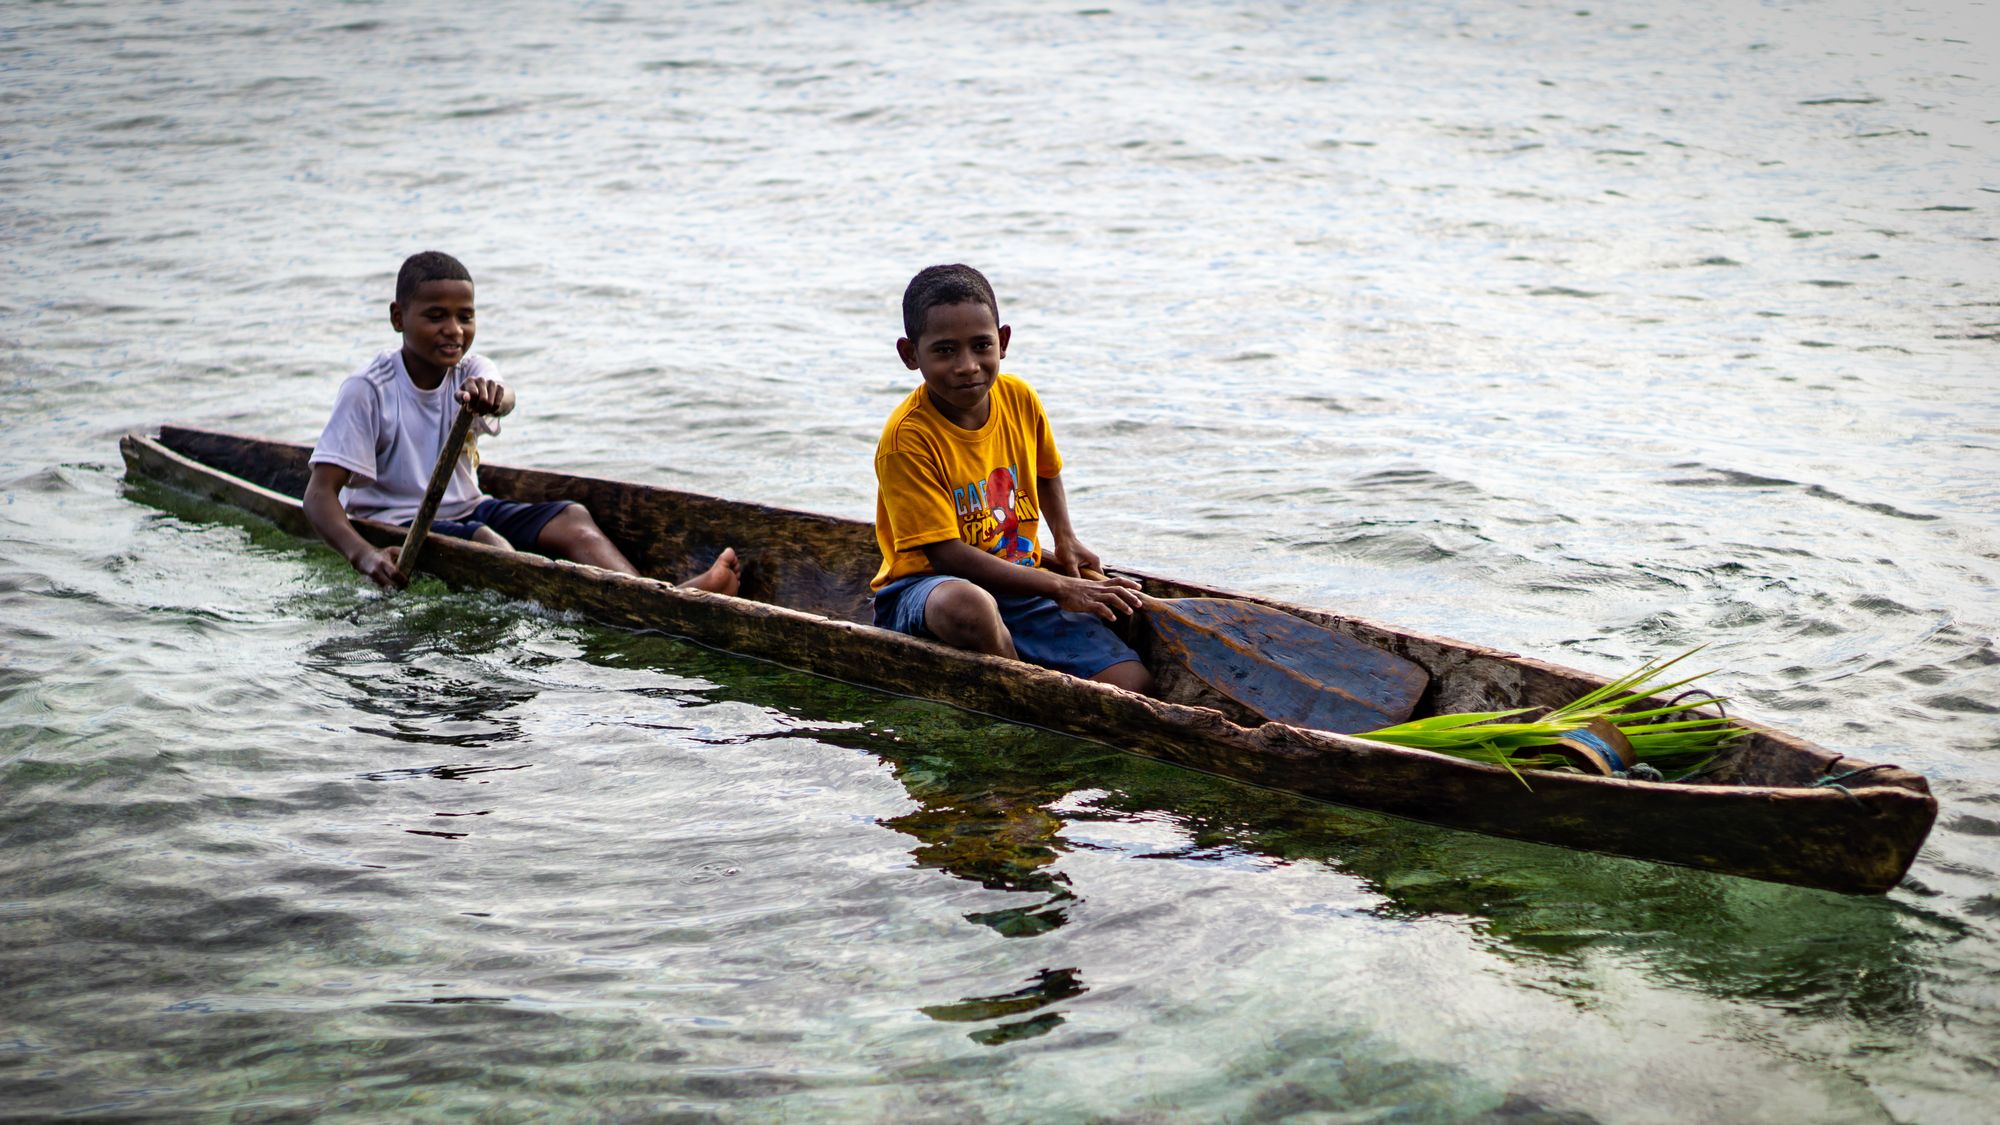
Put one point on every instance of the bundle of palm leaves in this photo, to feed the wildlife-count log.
(1658, 740)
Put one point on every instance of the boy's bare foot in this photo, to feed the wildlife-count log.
(723, 577)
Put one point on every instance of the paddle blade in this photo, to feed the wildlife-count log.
(1286, 668)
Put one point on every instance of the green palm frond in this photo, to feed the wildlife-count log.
(1656, 738)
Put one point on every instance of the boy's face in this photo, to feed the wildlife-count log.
(436, 326)
(959, 354)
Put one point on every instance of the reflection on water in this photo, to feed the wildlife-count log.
(998, 806)
(1003, 839)
(1557, 914)
(1047, 987)
(387, 676)
(442, 773)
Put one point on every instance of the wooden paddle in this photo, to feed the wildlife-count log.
(1281, 666)
(454, 444)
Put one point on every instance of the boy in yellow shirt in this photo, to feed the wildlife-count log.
(966, 472)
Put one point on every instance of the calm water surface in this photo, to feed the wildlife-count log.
(1591, 331)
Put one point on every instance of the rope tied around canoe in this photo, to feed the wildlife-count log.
(1719, 708)
(1833, 781)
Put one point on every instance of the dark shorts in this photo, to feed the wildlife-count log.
(1044, 633)
(518, 523)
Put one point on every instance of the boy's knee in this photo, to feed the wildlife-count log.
(570, 526)
(962, 614)
(959, 605)
(1128, 674)
(573, 534)
(491, 538)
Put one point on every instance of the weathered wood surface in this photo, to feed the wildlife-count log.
(1284, 668)
(804, 594)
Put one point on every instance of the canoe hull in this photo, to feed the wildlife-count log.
(1762, 817)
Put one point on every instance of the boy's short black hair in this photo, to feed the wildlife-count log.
(943, 285)
(427, 265)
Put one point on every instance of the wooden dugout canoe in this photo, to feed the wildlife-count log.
(1769, 810)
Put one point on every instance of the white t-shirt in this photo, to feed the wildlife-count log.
(387, 432)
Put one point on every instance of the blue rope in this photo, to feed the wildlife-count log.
(1602, 747)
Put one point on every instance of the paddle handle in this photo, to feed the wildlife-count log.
(454, 444)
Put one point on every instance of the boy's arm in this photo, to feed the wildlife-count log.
(329, 519)
(1106, 599)
(1067, 554)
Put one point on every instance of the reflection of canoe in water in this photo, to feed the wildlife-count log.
(1778, 808)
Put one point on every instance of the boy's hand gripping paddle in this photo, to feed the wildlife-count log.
(1283, 667)
(454, 444)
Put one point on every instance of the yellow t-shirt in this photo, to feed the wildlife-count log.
(936, 481)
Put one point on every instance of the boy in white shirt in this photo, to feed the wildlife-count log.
(390, 419)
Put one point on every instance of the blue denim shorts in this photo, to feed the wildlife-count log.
(1044, 633)
(518, 523)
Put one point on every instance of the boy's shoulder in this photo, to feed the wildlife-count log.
(907, 413)
(367, 385)
(1011, 395)
(386, 371)
(1015, 387)
(372, 389)
(380, 371)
